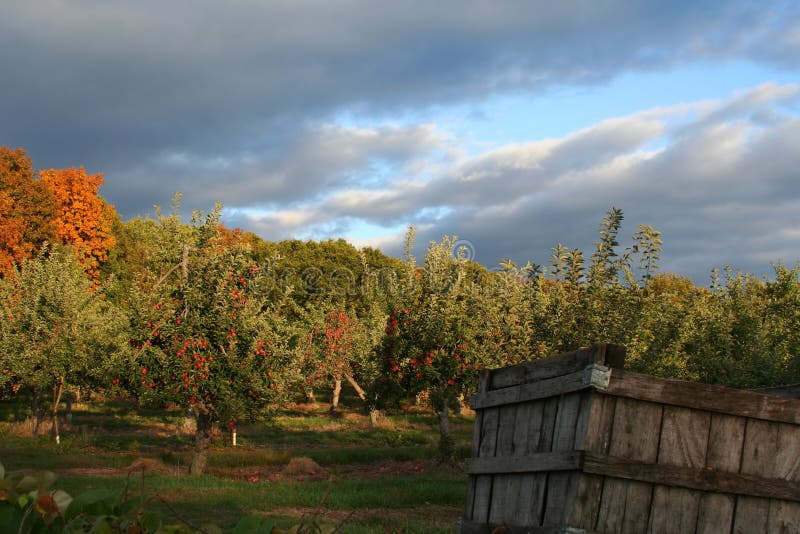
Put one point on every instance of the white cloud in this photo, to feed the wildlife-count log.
(711, 186)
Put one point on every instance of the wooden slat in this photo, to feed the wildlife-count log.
(519, 487)
(472, 527)
(752, 515)
(697, 479)
(483, 483)
(725, 440)
(704, 397)
(790, 392)
(684, 440)
(536, 463)
(562, 486)
(477, 433)
(784, 517)
(578, 381)
(586, 500)
(553, 366)
(625, 505)
(503, 505)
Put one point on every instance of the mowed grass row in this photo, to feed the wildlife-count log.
(368, 479)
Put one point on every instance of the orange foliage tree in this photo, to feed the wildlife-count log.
(27, 210)
(83, 218)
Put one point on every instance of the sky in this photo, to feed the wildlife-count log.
(514, 125)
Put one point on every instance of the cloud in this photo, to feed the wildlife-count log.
(242, 102)
(125, 87)
(719, 183)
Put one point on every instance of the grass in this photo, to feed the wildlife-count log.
(368, 479)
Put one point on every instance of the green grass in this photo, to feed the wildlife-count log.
(371, 478)
(190, 498)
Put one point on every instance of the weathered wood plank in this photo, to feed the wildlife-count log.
(715, 513)
(566, 422)
(517, 507)
(477, 433)
(725, 441)
(690, 478)
(684, 441)
(587, 502)
(601, 422)
(704, 397)
(577, 381)
(562, 486)
(535, 463)
(503, 505)
(611, 511)
(751, 516)
(483, 483)
(598, 410)
(471, 527)
(625, 505)
(784, 517)
(791, 392)
(684, 437)
(549, 414)
(787, 455)
(673, 510)
(636, 431)
(553, 366)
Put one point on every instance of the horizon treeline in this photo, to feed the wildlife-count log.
(193, 314)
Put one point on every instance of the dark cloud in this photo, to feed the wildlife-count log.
(115, 86)
(234, 101)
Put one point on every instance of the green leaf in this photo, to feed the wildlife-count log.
(2, 471)
(10, 516)
(150, 521)
(248, 525)
(46, 479)
(93, 502)
(266, 527)
(102, 526)
(28, 483)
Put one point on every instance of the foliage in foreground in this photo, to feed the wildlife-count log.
(29, 504)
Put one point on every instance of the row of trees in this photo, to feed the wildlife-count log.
(225, 324)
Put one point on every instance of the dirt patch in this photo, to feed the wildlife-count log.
(148, 465)
(301, 466)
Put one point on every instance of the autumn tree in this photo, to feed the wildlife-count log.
(83, 219)
(27, 210)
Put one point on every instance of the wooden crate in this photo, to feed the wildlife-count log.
(574, 443)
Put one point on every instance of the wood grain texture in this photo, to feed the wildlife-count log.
(503, 505)
(715, 513)
(691, 478)
(684, 441)
(706, 397)
(531, 391)
(625, 505)
(724, 454)
(477, 434)
(540, 462)
(483, 483)
(559, 365)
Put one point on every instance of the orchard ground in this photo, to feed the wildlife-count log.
(304, 463)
